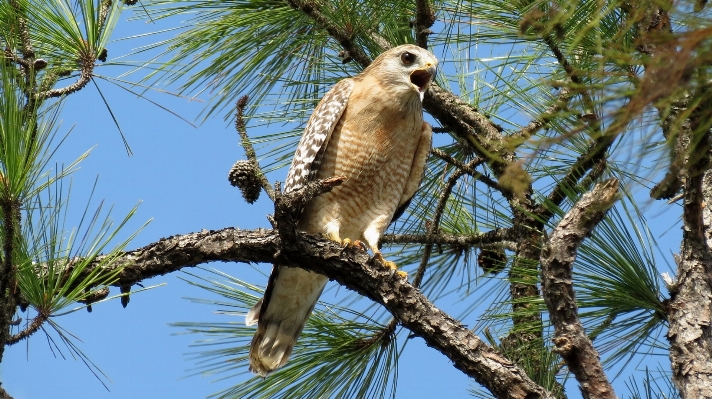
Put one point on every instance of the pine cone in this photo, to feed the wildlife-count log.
(243, 175)
(492, 260)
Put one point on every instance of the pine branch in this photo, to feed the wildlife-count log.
(470, 170)
(9, 295)
(557, 259)
(424, 20)
(543, 120)
(594, 155)
(500, 235)
(32, 328)
(346, 40)
(434, 226)
(350, 267)
(588, 102)
(241, 128)
(4, 394)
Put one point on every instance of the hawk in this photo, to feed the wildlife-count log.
(370, 129)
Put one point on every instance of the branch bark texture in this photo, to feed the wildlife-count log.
(557, 259)
(352, 268)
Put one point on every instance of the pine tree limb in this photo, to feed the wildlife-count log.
(557, 258)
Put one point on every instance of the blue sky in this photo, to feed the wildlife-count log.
(179, 174)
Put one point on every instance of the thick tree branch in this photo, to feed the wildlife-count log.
(470, 126)
(690, 315)
(424, 20)
(350, 267)
(4, 394)
(557, 262)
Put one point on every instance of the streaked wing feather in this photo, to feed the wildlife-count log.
(317, 133)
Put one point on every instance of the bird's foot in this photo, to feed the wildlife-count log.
(346, 242)
(358, 244)
(391, 265)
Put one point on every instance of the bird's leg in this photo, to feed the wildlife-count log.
(371, 235)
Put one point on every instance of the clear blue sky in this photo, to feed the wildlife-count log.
(180, 175)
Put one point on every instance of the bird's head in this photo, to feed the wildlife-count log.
(409, 67)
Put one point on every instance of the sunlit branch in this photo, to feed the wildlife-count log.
(241, 128)
(557, 259)
(350, 267)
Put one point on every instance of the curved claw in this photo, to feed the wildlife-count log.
(391, 265)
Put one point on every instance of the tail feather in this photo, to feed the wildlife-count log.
(289, 299)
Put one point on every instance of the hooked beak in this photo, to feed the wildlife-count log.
(422, 77)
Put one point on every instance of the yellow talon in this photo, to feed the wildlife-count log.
(332, 237)
(391, 265)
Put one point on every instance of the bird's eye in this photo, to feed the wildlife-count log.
(407, 58)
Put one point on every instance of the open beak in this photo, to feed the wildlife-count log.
(421, 78)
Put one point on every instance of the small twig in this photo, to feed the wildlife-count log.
(594, 155)
(384, 335)
(441, 129)
(85, 75)
(27, 52)
(311, 9)
(589, 104)
(35, 325)
(434, 225)
(241, 128)
(424, 20)
(543, 120)
(570, 339)
(469, 169)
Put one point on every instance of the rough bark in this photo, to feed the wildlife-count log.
(350, 267)
(570, 339)
(691, 299)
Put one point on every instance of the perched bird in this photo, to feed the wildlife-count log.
(370, 129)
